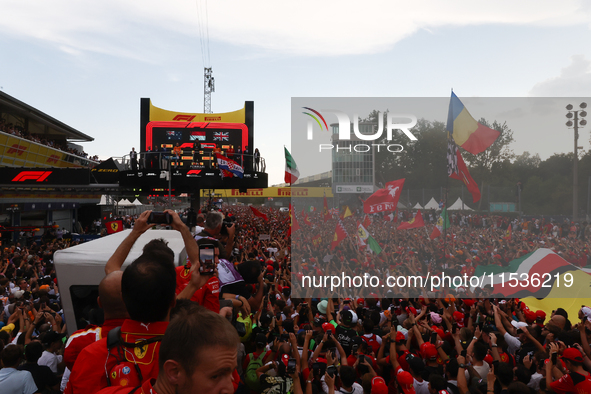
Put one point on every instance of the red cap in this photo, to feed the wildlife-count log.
(285, 359)
(541, 314)
(361, 301)
(489, 359)
(400, 337)
(411, 309)
(378, 386)
(530, 316)
(459, 318)
(572, 354)
(429, 351)
(469, 302)
(328, 326)
(405, 380)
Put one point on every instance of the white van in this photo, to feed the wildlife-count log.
(80, 269)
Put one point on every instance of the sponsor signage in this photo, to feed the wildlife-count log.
(44, 177)
(354, 189)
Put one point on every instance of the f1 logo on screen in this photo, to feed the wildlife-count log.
(38, 176)
(184, 118)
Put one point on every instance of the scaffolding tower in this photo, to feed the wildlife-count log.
(208, 88)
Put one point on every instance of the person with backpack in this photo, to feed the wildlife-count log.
(255, 360)
(373, 341)
(197, 355)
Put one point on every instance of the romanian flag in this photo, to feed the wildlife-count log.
(415, 222)
(258, 213)
(114, 226)
(467, 132)
(339, 234)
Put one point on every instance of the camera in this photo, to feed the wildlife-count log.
(160, 218)
(227, 222)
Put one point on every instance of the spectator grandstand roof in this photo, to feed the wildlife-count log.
(39, 122)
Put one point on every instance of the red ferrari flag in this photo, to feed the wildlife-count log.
(114, 226)
(293, 225)
(508, 233)
(307, 220)
(385, 199)
(325, 213)
(317, 240)
(258, 213)
(339, 234)
(366, 221)
(415, 222)
(460, 172)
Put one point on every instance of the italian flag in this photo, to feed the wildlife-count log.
(291, 168)
(367, 239)
(441, 225)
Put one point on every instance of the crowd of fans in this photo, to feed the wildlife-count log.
(235, 317)
(21, 132)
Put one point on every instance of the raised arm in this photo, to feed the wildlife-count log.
(116, 261)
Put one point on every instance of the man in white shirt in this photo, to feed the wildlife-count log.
(11, 380)
(53, 343)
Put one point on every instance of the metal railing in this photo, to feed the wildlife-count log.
(164, 161)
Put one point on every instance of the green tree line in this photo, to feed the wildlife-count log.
(546, 185)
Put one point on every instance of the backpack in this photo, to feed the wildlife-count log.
(372, 342)
(250, 376)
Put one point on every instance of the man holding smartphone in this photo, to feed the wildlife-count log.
(578, 380)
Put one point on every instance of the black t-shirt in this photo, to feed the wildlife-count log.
(524, 350)
(42, 375)
(345, 337)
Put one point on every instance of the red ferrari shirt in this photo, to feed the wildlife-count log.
(89, 373)
(572, 383)
(89, 335)
(208, 295)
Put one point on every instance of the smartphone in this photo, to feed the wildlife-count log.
(207, 259)
(160, 218)
(554, 358)
(284, 337)
(454, 327)
(331, 370)
(291, 365)
(329, 333)
(433, 338)
(346, 302)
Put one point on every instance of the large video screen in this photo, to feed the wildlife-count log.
(165, 135)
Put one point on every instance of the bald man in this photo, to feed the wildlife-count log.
(111, 301)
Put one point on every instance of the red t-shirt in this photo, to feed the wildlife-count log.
(208, 295)
(88, 375)
(89, 335)
(572, 383)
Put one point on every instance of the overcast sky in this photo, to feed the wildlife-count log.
(88, 64)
